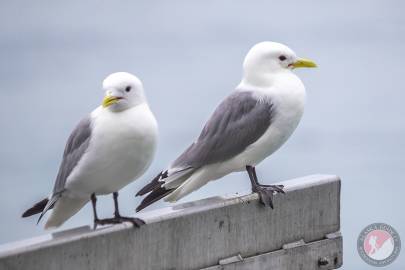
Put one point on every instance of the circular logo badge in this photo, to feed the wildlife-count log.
(379, 244)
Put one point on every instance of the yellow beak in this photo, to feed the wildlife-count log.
(109, 100)
(301, 62)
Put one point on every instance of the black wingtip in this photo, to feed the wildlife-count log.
(36, 209)
(154, 184)
(154, 196)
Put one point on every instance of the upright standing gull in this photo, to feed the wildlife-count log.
(108, 149)
(248, 126)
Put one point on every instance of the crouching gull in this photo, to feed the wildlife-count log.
(248, 126)
(107, 150)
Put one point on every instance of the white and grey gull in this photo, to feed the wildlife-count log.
(248, 126)
(108, 149)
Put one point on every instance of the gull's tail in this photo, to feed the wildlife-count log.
(162, 185)
(64, 208)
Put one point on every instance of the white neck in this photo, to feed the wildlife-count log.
(265, 79)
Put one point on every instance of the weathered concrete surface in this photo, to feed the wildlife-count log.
(192, 235)
(323, 254)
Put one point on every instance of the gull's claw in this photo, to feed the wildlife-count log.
(137, 222)
(277, 188)
(266, 193)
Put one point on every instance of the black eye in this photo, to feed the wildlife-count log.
(128, 88)
(282, 58)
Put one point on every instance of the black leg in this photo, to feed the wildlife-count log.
(93, 203)
(137, 222)
(97, 221)
(265, 191)
(278, 188)
(117, 210)
(117, 217)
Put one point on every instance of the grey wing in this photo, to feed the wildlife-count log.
(237, 122)
(240, 120)
(76, 146)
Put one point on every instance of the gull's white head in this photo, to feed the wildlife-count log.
(122, 91)
(267, 58)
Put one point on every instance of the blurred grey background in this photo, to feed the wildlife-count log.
(55, 54)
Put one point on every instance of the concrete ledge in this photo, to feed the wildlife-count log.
(323, 254)
(200, 234)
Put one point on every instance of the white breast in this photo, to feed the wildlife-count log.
(121, 148)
